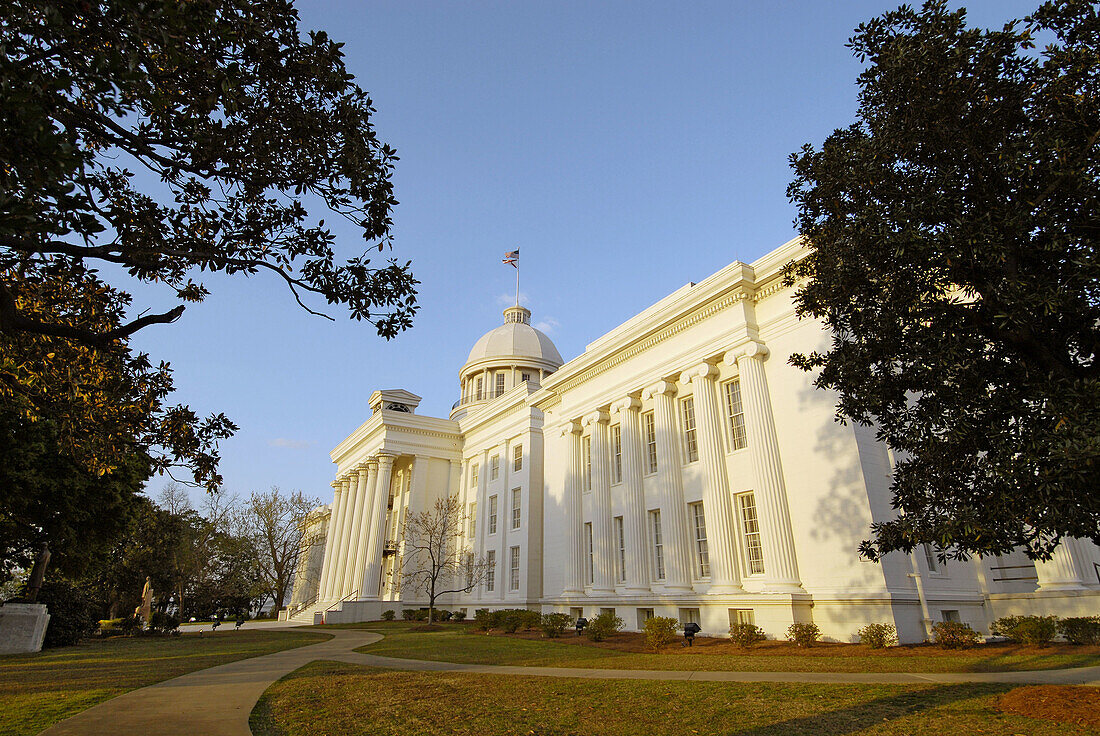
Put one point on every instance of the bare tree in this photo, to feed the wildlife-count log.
(435, 562)
(273, 522)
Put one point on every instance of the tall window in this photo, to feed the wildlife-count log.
(616, 454)
(586, 459)
(930, 558)
(699, 526)
(479, 384)
(754, 552)
(735, 414)
(588, 575)
(490, 569)
(658, 545)
(473, 520)
(469, 571)
(513, 578)
(517, 458)
(492, 514)
(650, 434)
(494, 467)
(620, 542)
(691, 442)
(473, 475)
(515, 508)
(500, 384)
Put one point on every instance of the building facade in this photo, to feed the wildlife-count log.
(679, 467)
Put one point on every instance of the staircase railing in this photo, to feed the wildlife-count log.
(296, 608)
(352, 594)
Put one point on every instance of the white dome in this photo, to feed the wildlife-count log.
(515, 339)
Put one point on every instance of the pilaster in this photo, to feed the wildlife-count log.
(634, 517)
(603, 578)
(673, 513)
(574, 571)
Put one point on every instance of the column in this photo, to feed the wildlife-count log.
(634, 516)
(483, 518)
(717, 507)
(368, 474)
(780, 565)
(504, 524)
(357, 479)
(677, 552)
(373, 570)
(346, 514)
(338, 518)
(330, 534)
(603, 564)
(1060, 571)
(574, 570)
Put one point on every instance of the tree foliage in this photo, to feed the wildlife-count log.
(166, 139)
(274, 524)
(953, 254)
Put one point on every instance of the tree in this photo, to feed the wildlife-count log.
(434, 562)
(243, 128)
(953, 255)
(274, 525)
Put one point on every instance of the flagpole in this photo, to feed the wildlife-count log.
(517, 283)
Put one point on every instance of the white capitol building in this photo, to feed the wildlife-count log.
(679, 467)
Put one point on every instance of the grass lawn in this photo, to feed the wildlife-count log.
(335, 698)
(38, 690)
(454, 644)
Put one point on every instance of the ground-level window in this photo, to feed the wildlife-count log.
(689, 616)
(491, 570)
(750, 528)
(741, 616)
(644, 614)
(575, 613)
(513, 583)
(950, 615)
(658, 544)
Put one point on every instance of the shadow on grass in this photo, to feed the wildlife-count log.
(873, 712)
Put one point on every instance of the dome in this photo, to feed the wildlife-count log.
(515, 340)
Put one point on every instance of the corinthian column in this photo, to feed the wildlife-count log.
(329, 559)
(634, 536)
(368, 473)
(373, 574)
(603, 579)
(347, 513)
(716, 490)
(358, 480)
(1060, 572)
(777, 539)
(338, 555)
(673, 522)
(574, 574)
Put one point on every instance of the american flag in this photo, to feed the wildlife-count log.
(512, 257)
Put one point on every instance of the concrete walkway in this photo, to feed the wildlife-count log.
(218, 701)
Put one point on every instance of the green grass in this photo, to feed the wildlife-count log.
(38, 690)
(455, 645)
(334, 698)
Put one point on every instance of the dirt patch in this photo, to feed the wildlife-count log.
(1077, 704)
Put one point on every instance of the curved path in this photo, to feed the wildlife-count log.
(218, 701)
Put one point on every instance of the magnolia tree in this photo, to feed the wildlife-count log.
(435, 561)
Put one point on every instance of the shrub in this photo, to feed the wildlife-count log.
(803, 634)
(531, 620)
(483, 620)
(420, 614)
(555, 624)
(442, 614)
(603, 626)
(659, 631)
(409, 614)
(109, 626)
(162, 623)
(1026, 629)
(70, 612)
(1080, 629)
(458, 616)
(746, 635)
(388, 615)
(878, 636)
(955, 635)
(129, 625)
(511, 619)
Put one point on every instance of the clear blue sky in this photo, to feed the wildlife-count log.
(626, 148)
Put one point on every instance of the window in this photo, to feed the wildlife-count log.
(517, 458)
(499, 384)
(616, 454)
(492, 514)
(525, 377)
(658, 545)
(515, 508)
(620, 543)
(650, 434)
(473, 520)
(588, 576)
(586, 459)
(750, 526)
(469, 571)
(494, 467)
(689, 616)
(736, 415)
(575, 613)
(490, 570)
(513, 579)
(741, 616)
(691, 442)
(930, 558)
(473, 475)
(699, 526)
(952, 616)
(479, 380)
(644, 614)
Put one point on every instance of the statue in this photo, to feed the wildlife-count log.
(147, 600)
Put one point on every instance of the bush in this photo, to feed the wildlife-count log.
(1026, 629)
(746, 635)
(442, 614)
(803, 634)
(510, 619)
(603, 626)
(554, 624)
(1080, 629)
(129, 625)
(483, 619)
(531, 620)
(409, 614)
(955, 635)
(388, 615)
(458, 616)
(109, 626)
(878, 636)
(70, 612)
(659, 631)
(162, 623)
(420, 614)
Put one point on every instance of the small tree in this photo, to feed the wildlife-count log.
(434, 561)
(272, 522)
